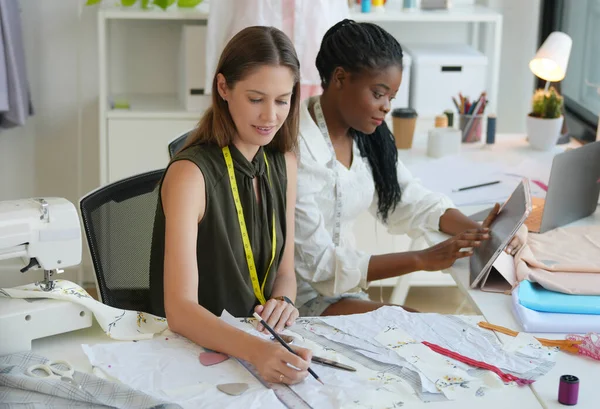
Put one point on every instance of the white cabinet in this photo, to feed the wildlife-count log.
(140, 145)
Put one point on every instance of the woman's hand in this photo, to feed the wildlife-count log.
(444, 254)
(277, 313)
(517, 241)
(271, 360)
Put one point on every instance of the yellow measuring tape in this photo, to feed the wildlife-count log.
(259, 290)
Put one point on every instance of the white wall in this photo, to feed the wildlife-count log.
(54, 154)
(519, 44)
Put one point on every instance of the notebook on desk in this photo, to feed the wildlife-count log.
(573, 190)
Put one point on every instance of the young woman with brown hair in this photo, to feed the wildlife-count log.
(224, 228)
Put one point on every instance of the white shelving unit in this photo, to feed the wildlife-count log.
(138, 61)
(138, 57)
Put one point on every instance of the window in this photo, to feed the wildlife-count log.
(581, 20)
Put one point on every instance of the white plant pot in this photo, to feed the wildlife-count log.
(543, 133)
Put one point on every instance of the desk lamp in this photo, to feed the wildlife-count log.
(550, 64)
(551, 60)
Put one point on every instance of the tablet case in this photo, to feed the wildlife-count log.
(510, 218)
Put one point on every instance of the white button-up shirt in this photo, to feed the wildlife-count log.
(321, 266)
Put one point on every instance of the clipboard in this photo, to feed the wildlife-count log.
(510, 218)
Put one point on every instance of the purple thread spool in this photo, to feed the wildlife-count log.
(568, 390)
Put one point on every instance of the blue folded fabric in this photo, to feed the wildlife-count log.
(537, 298)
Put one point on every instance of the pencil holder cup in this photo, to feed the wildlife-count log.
(470, 127)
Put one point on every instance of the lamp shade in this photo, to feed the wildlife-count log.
(551, 60)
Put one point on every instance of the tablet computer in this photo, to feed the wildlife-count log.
(502, 230)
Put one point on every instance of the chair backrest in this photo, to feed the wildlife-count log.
(176, 144)
(119, 219)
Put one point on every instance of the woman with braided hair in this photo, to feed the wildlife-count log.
(348, 163)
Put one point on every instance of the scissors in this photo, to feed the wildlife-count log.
(52, 370)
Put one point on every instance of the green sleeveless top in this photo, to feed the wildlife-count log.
(223, 275)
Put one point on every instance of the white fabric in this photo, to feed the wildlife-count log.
(450, 332)
(321, 266)
(167, 368)
(227, 17)
(19, 390)
(123, 325)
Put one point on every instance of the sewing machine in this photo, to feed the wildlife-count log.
(46, 235)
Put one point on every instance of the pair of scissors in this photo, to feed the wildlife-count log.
(53, 370)
(58, 370)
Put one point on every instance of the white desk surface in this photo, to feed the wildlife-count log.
(496, 308)
(68, 347)
(510, 149)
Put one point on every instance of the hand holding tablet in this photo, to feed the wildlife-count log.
(444, 254)
(503, 227)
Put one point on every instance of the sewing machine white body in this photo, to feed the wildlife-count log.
(46, 234)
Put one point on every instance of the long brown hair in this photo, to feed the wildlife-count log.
(249, 49)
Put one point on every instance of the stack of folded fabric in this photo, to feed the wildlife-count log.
(541, 310)
(559, 274)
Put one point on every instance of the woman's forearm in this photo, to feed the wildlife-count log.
(207, 330)
(285, 284)
(453, 222)
(393, 265)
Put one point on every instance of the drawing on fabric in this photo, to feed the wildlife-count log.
(75, 291)
(114, 323)
(451, 382)
(141, 318)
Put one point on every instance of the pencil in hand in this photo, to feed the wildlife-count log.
(282, 342)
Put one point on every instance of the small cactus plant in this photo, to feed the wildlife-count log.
(547, 104)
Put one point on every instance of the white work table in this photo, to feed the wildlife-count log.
(512, 149)
(497, 309)
(68, 347)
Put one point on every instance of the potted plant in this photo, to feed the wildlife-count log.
(545, 121)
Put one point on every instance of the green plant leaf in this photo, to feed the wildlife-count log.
(547, 104)
(188, 3)
(92, 2)
(128, 3)
(163, 4)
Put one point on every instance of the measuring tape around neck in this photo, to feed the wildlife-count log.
(259, 290)
(338, 190)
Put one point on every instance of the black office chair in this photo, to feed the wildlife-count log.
(176, 144)
(118, 221)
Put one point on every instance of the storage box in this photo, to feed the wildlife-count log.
(192, 68)
(440, 71)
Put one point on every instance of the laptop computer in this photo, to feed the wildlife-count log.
(573, 190)
(502, 230)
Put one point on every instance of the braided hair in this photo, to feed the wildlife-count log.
(364, 46)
